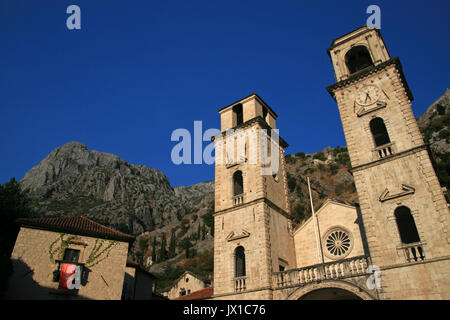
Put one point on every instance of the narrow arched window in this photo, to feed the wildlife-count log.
(238, 183)
(265, 112)
(358, 58)
(406, 225)
(239, 259)
(379, 132)
(237, 109)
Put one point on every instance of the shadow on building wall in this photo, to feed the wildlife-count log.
(362, 230)
(22, 286)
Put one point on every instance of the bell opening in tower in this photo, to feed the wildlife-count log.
(237, 109)
(358, 58)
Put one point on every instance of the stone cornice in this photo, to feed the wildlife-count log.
(408, 264)
(389, 158)
(249, 123)
(344, 38)
(257, 97)
(256, 201)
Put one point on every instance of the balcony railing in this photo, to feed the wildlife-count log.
(238, 199)
(240, 284)
(413, 252)
(331, 270)
(385, 150)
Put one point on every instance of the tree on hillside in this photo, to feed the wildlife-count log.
(154, 249)
(162, 251)
(198, 232)
(204, 230)
(172, 244)
(208, 218)
(14, 203)
(186, 245)
(298, 212)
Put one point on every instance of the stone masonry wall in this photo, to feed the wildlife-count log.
(33, 267)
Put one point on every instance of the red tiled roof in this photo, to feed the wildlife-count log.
(198, 295)
(76, 225)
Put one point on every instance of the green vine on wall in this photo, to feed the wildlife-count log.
(59, 251)
(95, 255)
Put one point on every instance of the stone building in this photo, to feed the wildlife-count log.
(74, 258)
(394, 244)
(186, 284)
(138, 283)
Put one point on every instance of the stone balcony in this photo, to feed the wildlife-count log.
(240, 284)
(238, 199)
(413, 252)
(340, 269)
(384, 151)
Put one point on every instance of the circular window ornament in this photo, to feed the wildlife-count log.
(338, 243)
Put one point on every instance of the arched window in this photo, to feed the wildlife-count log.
(408, 234)
(358, 58)
(239, 259)
(265, 112)
(379, 132)
(237, 109)
(406, 225)
(238, 183)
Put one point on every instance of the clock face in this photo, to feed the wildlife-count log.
(368, 95)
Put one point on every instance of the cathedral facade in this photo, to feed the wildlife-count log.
(394, 245)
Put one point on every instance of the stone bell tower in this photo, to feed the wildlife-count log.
(404, 211)
(251, 225)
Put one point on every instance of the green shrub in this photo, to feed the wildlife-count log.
(440, 109)
(165, 279)
(208, 218)
(444, 134)
(301, 155)
(320, 155)
(298, 212)
(344, 187)
(298, 190)
(333, 167)
(338, 150)
(343, 159)
(292, 183)
(309, 170)
(441, 162)
(289, 159)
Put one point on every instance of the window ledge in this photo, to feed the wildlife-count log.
(60, 292)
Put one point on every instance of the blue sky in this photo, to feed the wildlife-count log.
(137, 70)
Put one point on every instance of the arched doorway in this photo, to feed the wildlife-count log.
(331, 290)
(330, 294)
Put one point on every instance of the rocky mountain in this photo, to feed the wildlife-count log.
(435, 122)
(434, 125)
(73, 180)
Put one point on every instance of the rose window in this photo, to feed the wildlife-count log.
(338, 243)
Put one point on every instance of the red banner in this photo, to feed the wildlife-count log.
(66, 276)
